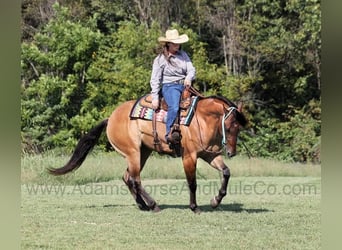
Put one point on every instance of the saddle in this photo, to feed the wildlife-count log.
(184, 104)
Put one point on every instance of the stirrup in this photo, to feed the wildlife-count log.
(174, 137)
(173, 140)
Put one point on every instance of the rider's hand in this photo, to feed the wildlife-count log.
(187, 83)
(155, 104)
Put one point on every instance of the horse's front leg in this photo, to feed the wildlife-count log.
(189, 164)
(218, 163)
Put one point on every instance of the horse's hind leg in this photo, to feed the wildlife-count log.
(132, 180)
(149, 201)
(141, 197)
(134, 187)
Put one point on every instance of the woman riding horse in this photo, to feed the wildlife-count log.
(214, 128)
(172, 71)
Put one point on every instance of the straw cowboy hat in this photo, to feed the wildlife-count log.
(173, 36)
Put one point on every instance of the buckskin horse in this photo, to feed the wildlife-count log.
(214, 128)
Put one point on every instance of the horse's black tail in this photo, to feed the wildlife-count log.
(84, 146)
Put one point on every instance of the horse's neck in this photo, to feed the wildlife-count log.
(210, 108)
(209, 113)
(209, 116)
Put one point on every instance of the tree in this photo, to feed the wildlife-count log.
(80, 63)
(54, 82)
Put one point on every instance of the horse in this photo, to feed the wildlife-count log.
(214, 128)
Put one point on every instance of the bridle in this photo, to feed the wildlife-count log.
(224, 118)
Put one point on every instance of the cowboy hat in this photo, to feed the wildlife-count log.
(173, 36)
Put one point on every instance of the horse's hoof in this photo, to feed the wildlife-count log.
(196, 210)
(214, 203)
(143, 207)
(156, 209)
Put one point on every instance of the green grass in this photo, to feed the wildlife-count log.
(104, 216)
(270, 205)
(110, 166)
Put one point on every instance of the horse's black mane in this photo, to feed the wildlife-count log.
(239, 116)
(222, 98)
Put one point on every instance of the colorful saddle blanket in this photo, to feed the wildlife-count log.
(142, 109)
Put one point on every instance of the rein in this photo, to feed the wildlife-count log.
(195, 92)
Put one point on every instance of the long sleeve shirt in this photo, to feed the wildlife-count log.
(180, 68)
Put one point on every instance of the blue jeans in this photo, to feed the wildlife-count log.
(172, 93)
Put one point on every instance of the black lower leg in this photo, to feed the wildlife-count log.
(193, 203)
(149, 201)
(223, 190)
(133, 187)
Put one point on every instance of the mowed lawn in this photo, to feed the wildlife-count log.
(104, 216)
(259, 212)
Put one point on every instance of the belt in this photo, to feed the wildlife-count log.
(175, 82)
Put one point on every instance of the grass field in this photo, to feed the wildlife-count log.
(270, 205)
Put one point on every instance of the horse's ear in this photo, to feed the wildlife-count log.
(239, 115)
(240, 104)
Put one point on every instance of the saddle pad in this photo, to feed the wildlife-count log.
(142, 109)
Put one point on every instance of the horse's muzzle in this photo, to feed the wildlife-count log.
(230, 154)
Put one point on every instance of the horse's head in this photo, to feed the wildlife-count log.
(223, 120)
(232, 121)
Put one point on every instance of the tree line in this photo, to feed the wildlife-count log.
(80, 59)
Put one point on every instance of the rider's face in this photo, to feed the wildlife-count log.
(174, 47)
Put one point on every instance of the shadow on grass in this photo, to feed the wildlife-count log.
(234, 207)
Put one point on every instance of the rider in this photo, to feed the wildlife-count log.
(172, 71)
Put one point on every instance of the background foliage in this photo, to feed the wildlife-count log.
(80, 59)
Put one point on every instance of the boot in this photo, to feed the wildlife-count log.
(174, 137)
